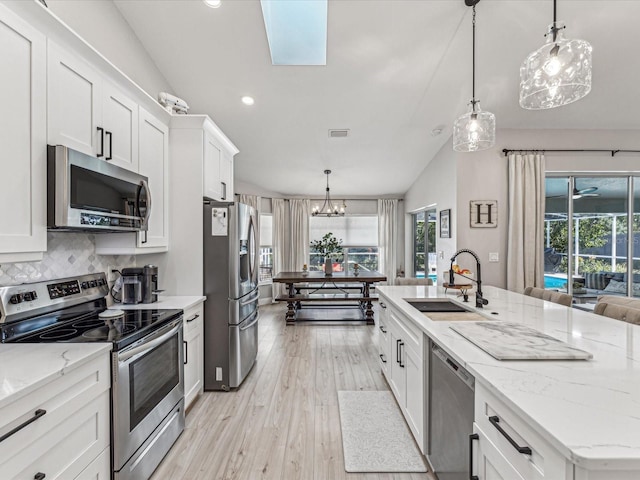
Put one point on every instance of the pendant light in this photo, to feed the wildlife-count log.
(475, 130)
(556, 74)
(328, 208)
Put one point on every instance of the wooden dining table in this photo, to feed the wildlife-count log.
(304, 288)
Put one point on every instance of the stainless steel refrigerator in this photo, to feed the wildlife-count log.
(231, 288)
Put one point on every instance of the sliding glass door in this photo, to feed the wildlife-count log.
(424, 244)
(588, 241)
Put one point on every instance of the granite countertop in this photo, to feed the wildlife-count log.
(26, 367)
(588, 409)
(166, 302)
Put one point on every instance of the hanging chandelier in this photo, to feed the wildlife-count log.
(556, 74)
(475, 130)
(328, 209)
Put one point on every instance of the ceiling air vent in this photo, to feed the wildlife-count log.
(339, 133)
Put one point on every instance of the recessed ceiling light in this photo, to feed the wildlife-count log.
(212, 3)
(248, 100)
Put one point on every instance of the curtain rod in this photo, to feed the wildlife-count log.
(613, 152)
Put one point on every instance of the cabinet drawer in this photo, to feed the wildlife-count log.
(193, 317)
(542, 462)
(489, 463)
(63, 450)
(76, 387)
(99, 469)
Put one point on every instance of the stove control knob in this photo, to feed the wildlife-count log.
(27, 296)
(17, 298)
(34, 295)
(85, 285)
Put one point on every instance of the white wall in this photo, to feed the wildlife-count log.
(102, 25)
(452, 180)
(436, 186)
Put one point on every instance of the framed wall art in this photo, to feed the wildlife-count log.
(445, 223)
(483, 213)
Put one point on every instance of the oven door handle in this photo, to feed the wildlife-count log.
(157, 338)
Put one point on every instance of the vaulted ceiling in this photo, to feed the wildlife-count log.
(396, 70)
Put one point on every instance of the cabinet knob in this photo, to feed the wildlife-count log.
(39, 476)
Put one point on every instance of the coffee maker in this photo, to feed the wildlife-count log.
(140, 285)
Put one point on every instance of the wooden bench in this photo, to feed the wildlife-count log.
(334, 286)
(298, 301)
(352, 288)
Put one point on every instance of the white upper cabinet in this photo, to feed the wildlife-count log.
(74, 102)
(23, 235)
(154, 163)
(226, 177)
(217, 168)
(153, 154)
(212, 181)
(120, 122)
(88, 112)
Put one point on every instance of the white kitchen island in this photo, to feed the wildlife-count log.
(581, 417)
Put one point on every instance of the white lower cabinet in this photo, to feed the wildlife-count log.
(488, 463)
(99, 469)
(530, 454)
(403, 348)
(384, 339)
(193, 353)
(70, 427)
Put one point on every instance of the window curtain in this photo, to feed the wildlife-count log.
(525, 252)
(300, 209)
(388, 237)
(280, 241)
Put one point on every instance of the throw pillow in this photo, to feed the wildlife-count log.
(616, 287)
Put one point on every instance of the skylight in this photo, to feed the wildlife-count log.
(296, 31)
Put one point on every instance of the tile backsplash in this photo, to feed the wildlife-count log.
(68, 254)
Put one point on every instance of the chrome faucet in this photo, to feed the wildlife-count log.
(480, 300)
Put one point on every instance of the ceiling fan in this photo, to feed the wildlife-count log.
(584, 192)
(579, 193)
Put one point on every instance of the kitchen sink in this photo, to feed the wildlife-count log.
(436, 305)
(443, 310)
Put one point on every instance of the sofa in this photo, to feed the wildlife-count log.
(610, 283)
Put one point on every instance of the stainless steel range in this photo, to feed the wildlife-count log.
(147, 407)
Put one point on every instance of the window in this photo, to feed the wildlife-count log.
(359, 235)
(266, 249)
(587, 239)
(424, 244)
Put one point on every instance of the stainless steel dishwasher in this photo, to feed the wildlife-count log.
(450, 416)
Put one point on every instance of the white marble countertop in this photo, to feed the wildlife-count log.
(27, 366)
(588, 409)
(165, 301)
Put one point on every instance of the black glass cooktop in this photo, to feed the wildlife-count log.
(85, 324)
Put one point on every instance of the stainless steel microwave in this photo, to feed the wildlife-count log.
(86, 193)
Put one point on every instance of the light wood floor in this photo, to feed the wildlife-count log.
(283, 422)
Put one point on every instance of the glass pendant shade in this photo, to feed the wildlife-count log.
(556, 74)
(475, 130)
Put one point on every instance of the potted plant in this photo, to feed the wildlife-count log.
(329, 246)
